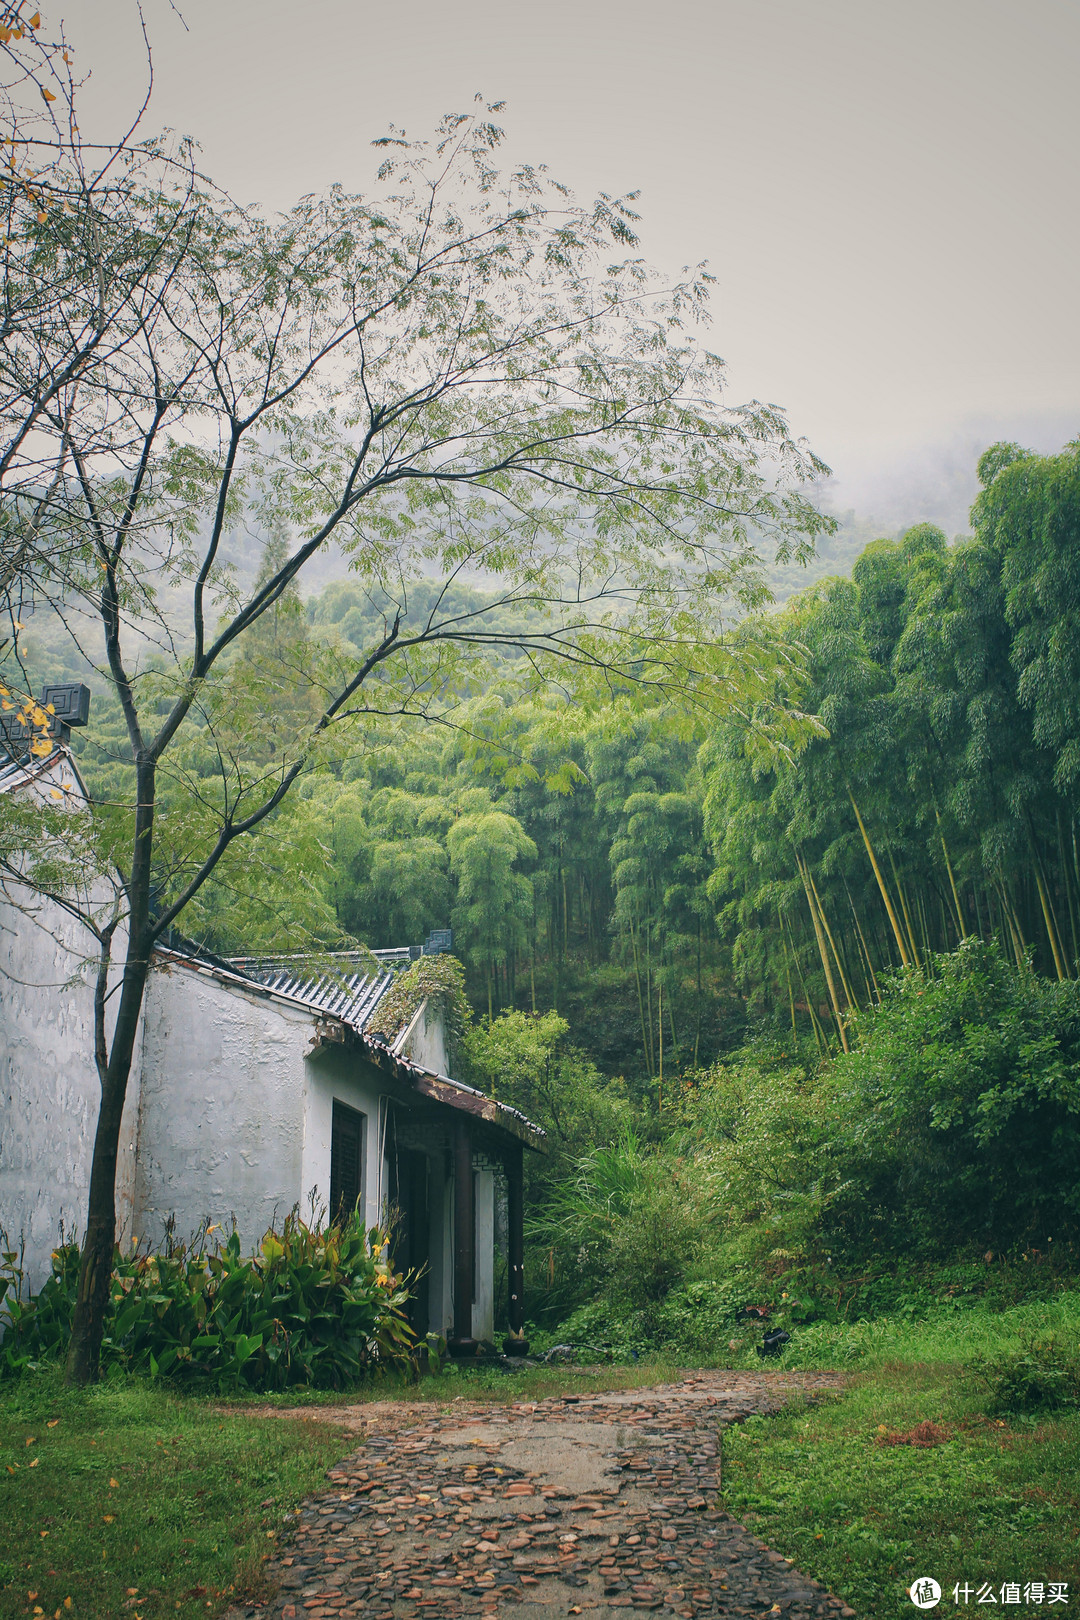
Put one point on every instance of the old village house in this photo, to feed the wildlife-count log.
(257, 1086)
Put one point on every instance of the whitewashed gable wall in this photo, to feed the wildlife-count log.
(49, 1088)
(221, 1116)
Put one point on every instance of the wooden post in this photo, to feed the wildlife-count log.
(462, 1342)
(516, 1343)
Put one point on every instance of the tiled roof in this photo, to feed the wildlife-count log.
(17, 773)
(342, 985)
(350, 999)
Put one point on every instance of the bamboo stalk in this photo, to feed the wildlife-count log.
(904, 909)
(849, 998)
(1008, 911)
(823, 953)
(815, 1022)
(952, 880)
(787, 975)
(1048, 916)
(881, 884)
(865, 948)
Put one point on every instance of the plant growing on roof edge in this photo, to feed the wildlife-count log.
(438, 980)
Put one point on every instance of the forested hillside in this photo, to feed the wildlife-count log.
(665, 883)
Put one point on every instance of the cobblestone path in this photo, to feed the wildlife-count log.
(590, 1505)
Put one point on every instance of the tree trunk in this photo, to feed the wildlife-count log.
(114, 1070)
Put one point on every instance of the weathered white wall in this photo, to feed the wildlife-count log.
(427, 1043)
(49, 1089)
(331, 1074)
(221, 1116)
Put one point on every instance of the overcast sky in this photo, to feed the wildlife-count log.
(886, 192)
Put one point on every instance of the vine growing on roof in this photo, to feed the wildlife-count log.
(439, 980)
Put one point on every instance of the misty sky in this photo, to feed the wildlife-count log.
(886, 192)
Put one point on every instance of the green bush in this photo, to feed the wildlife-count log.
(958, 1114)
(312, 1305)
(630, 1220)
(1043, 1374)
(760, 1130)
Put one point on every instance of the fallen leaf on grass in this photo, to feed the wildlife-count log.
(113, 1483)
(52, 1423)
(108, 1517)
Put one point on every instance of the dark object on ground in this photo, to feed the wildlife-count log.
(561, 1352)
(774, 1342)
(515, 1345)
(756, 1313)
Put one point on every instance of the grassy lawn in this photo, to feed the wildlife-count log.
(126, 1501)
(485, 1384)
(996, 1500)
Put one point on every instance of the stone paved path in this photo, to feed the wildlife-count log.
(591, 1505)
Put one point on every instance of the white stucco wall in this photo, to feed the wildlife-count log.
(49, 1089)
(221, 1115)
(329, 1074)
(427, 1043)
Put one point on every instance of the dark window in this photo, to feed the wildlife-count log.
(346, 1160)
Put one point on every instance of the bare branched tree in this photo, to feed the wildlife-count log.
(466, 376)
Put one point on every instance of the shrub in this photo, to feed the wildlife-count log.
(631, 1220)
(959, 1112)
(312, 1305)
(760, 1130)
(1041, 1375)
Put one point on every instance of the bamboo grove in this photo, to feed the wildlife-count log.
(651, 875)
(939, 801)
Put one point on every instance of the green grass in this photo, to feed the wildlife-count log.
(998, 1501)
(132, 1501)
(950, 1334)
(480, 1384)
(124, 1500)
